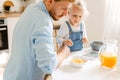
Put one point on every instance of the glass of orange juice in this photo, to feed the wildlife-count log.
(108, 55)
(108, 59)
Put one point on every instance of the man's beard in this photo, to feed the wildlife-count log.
(56, 18)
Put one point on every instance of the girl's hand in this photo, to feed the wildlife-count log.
(68, 42)
(84, 40)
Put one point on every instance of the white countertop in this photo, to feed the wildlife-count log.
(92, 70)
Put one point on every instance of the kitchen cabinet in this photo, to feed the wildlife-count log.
(11, 21)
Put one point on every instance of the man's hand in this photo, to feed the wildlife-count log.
(63, 53)
(48, 77)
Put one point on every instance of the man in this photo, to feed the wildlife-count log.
(32, 54)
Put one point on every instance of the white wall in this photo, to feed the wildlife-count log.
(1, 4)
(37, 1)
(95, 20)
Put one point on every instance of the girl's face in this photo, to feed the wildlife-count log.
(59, 9)
(75, 15)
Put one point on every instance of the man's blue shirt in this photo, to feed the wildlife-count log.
(32, 54)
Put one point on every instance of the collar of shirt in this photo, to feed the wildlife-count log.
(43, 8)
(75, 29)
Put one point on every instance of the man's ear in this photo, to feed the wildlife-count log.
(50, 2)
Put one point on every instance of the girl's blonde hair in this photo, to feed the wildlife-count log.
(82, 6)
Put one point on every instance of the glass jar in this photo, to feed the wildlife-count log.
(108, 54)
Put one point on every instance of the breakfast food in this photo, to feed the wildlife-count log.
(77, 60)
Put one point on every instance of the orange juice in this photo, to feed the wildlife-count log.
(108, 59)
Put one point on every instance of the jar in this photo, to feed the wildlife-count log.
(108, 54)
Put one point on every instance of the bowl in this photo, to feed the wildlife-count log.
(77, 60)
(96, 45)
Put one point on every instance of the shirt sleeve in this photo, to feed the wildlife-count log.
(63, 33)
(43, 46)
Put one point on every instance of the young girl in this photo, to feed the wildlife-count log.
(73, 31)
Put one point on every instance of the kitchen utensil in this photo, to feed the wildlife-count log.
(96, 45)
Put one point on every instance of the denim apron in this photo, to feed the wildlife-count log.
(76, 37)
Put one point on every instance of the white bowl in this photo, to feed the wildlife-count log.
(77, 60)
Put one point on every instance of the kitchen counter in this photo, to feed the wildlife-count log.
(10, 14)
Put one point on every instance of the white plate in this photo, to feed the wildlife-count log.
(77, 60)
